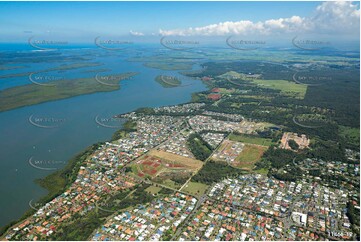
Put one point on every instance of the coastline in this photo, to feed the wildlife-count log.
(69, 91)
(48, 181)
(63, 180)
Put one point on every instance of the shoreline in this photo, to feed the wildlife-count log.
(48, 183)
(68, 91)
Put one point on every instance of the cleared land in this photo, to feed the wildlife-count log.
(193, 163)
(248, 127)
(228, 151)
(171, 184)
(161, 164)
(249, 156)
(251, 139)
(351, 134)
(195, 188)
(153, 189)
(288, 88)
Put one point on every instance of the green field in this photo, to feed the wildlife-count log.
(286, 87)
(249, 156)
(195, 188)
(351, 134)
(34, 94)
(153, 189)
(250, 139)
(171, 184)
(262, 171)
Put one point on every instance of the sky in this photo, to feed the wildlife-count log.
(84, 20)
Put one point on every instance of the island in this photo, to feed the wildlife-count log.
(55, 90)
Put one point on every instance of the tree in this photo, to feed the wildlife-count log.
(293, 144)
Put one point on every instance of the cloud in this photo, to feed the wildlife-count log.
(329, 17)
(337, 16)
(134, 33)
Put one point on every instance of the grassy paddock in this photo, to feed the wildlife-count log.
(251, 139)
(249, 156)
(195, 188)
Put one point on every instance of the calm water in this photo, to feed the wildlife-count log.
(20, 140)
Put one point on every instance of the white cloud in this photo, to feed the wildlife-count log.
(329, 17)
(134, 33)
(337, 16)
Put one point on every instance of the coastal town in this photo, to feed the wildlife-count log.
(244, 207)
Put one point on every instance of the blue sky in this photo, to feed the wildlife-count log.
(148, 17)
(81, 19)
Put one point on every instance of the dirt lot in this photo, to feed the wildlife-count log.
(192, 163)
(164, 164)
